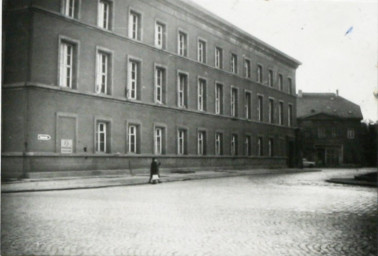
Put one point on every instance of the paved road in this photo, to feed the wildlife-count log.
(289, 214)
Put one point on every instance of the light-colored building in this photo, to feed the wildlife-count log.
(107, 84)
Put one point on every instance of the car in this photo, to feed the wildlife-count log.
(307, 163)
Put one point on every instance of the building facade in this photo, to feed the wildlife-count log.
(92, 85)
(330, 129)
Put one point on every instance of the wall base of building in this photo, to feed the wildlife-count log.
(49, 165)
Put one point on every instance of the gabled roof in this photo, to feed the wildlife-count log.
(310, 104)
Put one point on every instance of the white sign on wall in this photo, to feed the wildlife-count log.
(66, 146)
(44, 137)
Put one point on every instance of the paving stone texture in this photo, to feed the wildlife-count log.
(288, 214)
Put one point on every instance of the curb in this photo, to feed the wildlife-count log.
(353, 182)
(136, 180)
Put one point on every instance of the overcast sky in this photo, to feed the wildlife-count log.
(336, 41)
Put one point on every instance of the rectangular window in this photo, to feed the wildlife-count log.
(134, 25)
(68, 64)
(182, 88)
(201, 143)
(182, 43)
(218, 57)
(350, 133)
(133, 139)
(280, 82)
(103, 80)
(70, 8)
(133, 81)
(270, 147)
(247, 146)
(247, 68)
(270, 78)
(290, 115)
(201, 51)
(271, 111)
(234, 102)
(260, 151)
(201, 95)
(160, 85)
(218, 144)
(321, 132)
(248, 105)
(102, 134)
(259, 74)
(159, 140)
(280, 113)
(289, 86)
(260, 108)
(104, 12)
(218, 98)
(234, 63)
(181, 142)
(160, 35)
(234, 144)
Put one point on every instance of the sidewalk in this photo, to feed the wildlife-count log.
(68, 183)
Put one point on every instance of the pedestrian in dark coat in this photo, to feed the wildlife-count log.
(154, 170)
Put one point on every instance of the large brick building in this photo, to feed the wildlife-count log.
(331, 130)
(108, 84)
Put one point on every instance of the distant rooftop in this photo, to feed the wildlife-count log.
(310, 104)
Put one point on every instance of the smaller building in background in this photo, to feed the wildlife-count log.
(330, 129)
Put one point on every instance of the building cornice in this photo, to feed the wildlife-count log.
(200, 13)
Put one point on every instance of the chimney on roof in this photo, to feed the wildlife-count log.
(300, 94)
(337, 92)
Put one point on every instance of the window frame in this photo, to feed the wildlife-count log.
(259, 73)
(65, 9)
(201, 141)
(260, 146)
(109, 71)
(201, 94)
(100, 16)
(234, 101)
(218, 62)
(260, 108)
(135, 31)
(270, 78)
(247, 68)
(248, 145)
(218, 143)
(280, 82)
(185, 90)
(107, 137)
(163, 43)
(201, 50)
(281, 113)
(182, 147)
(248, 104)
(75, 61)
(182, 50)
(271, 110)
(219, 109)
(137, 81)
(234, 144)
(158, 67)
(234, 63)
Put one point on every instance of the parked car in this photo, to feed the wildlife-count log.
(307, 163)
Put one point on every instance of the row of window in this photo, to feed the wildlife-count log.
(70, 9)
(68, 70)
(133, 141)
(322, 133)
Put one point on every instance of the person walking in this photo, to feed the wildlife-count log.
(154, 172)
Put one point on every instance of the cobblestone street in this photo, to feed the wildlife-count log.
(289, 214)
